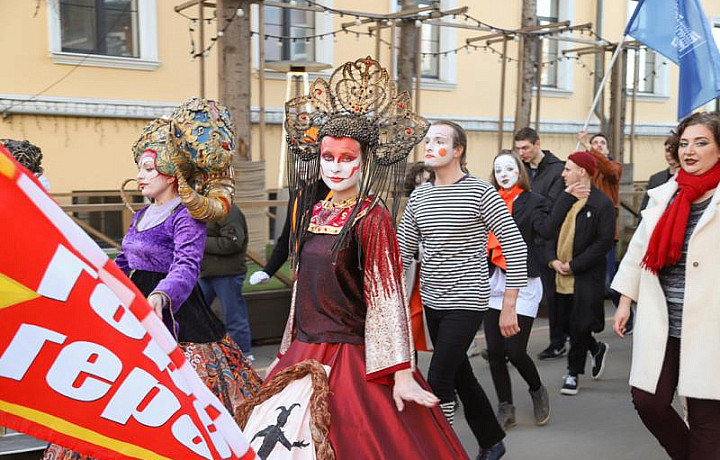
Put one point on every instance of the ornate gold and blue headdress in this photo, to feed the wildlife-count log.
(195, 145)
(359, 101)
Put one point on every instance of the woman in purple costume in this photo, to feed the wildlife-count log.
(162, 251)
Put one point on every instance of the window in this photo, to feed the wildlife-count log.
(439, 72)
(287, 22)
(430, 43)
(108, 27)
(548, 11)
(651, 73)
(104, 33)
(647, 64)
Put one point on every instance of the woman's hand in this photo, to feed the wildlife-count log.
(622, 315)
(157, 302)
(407, 389)
(508, 318)
(270, 368)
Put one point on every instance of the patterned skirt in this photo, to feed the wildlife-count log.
(223, 368)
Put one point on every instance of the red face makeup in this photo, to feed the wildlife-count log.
(340, 160)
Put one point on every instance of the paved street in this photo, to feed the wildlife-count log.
(599, 423)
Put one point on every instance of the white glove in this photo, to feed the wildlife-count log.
(259, 278)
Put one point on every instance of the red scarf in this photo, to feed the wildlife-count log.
(666, 242)
(494, 250)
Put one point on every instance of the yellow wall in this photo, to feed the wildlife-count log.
(80, 153)
(83, 153)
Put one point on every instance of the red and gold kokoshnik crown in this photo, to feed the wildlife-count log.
(359, 101)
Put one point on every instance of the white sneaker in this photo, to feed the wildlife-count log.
(570, 385)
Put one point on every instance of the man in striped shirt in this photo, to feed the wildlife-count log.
(451, 216)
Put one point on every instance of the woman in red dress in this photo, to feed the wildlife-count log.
(349, 310)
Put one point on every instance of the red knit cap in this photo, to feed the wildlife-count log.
(585, 160)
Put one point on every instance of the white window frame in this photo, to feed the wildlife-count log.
(661, 84)
(447, 64)
(565, 67)
(147, 32)
(324, 49)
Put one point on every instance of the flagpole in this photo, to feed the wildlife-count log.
(606, 77)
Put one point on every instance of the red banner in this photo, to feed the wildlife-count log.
(83, 361)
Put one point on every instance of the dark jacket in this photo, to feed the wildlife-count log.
(226, 246)
(594, 234)
(655, 180)
(530, 212)
(547, 181)
(282, 246)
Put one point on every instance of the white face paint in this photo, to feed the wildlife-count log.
(439, 150)
(506, 171)
(340, 163)
(150, 182)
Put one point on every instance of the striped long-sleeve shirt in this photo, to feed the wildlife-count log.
(452, 222)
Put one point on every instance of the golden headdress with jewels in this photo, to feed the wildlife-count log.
(195, 145)
(359, 101)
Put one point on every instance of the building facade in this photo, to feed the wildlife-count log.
(85, 76)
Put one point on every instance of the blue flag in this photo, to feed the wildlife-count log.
(679, 30)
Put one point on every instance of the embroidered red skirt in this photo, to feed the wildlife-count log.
(365, 424)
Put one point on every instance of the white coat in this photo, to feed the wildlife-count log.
(700, 341)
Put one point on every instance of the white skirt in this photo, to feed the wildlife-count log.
(528, 298)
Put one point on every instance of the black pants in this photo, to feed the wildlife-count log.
(581, 339)
(515, 348)
(699, 441)
(451, 332)
(556, 315)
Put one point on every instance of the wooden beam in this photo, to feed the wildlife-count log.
(500, 40)
(485, 37)
(190, 3)
(201, 41)
(371, 17)
(96, 233)
(435, 14)
(418, 79)
(404, 14)
(261, 78)
(551, 25)
(501, 117)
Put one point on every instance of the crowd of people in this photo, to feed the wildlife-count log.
(484, 251)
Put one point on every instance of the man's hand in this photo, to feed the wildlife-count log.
(578, 190)
(562, 268)
(407, 389)
(582, 138)
(259, 277)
